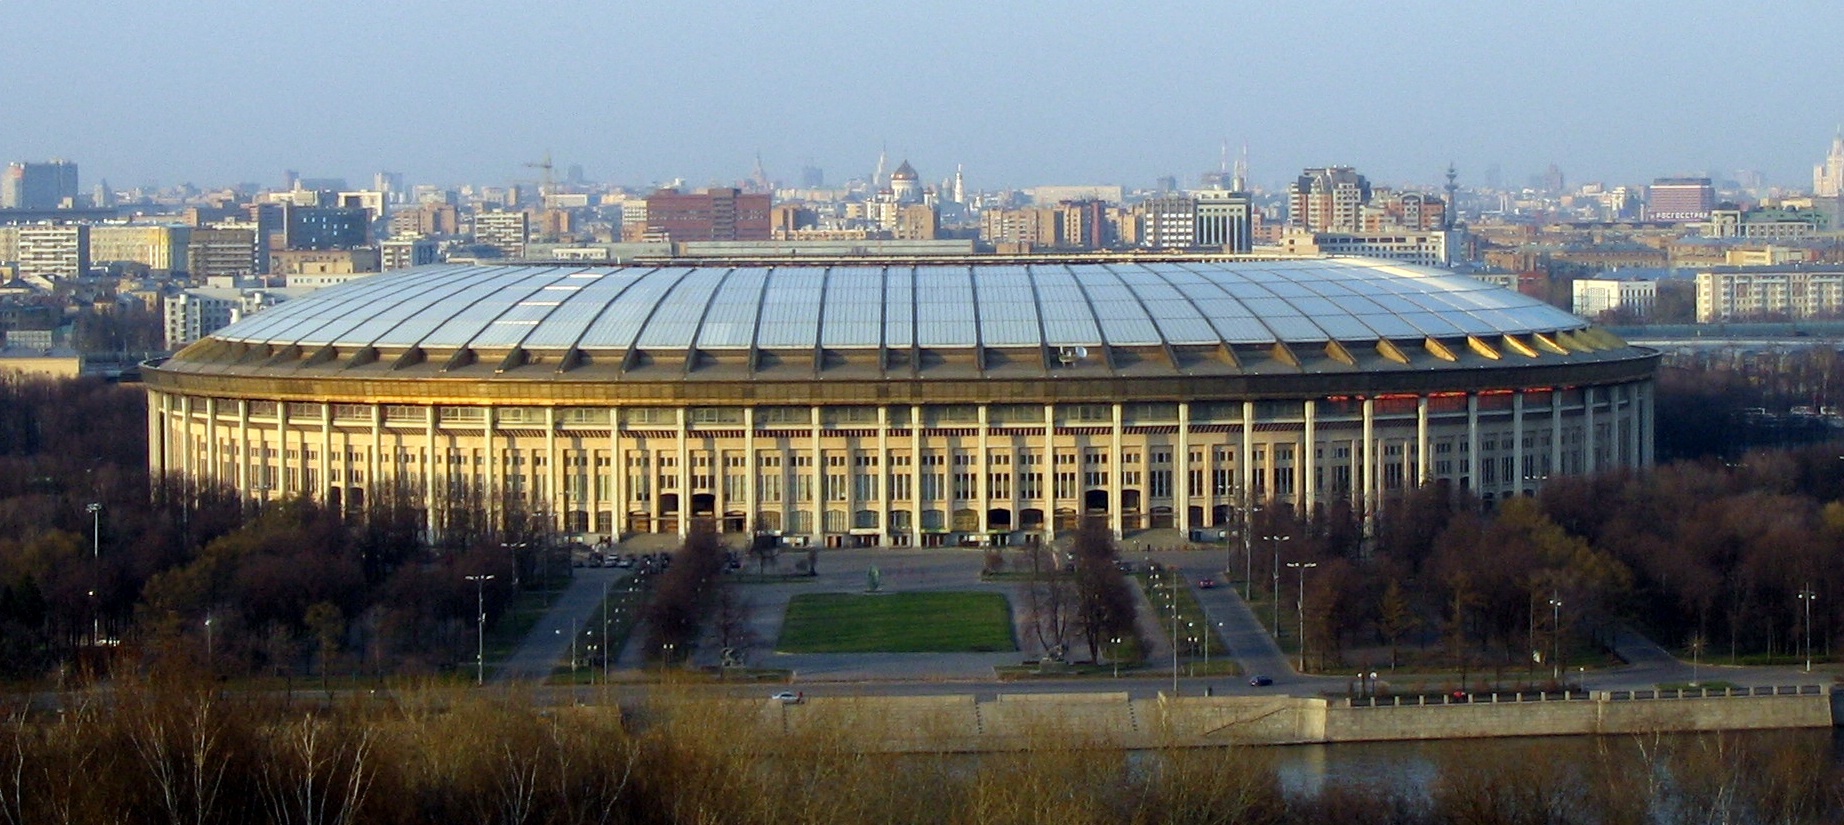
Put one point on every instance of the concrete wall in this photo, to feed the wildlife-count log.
(1017, 721)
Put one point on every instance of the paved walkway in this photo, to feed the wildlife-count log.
(548, 645)
(845, 571)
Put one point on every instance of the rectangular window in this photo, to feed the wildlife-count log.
(999, 485)
(1160, 485)
(864, 486)
(1065, 485)
(900, 489)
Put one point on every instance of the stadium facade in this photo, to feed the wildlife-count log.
(901, 402)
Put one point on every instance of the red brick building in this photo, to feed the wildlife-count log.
(714, 215)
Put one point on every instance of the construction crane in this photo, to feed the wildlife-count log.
(546, 185)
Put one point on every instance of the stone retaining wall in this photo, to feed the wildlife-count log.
(899, 724)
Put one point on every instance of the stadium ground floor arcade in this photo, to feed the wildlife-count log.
(901, 475)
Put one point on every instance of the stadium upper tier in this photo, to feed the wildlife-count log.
(845, 320)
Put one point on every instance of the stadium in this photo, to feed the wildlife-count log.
(897, 403)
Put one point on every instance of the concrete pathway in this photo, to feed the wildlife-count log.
(547, 646)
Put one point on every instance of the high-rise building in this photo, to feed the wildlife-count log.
(54, 251)
(713, 215)
(1223, 220)
(1680, 199)
(1828, 177)
(159, 248)
(214, 253)
(405, 253)
(325, 227)
(506, 231)
(1168, 222)
(39, 185)
(1327, 199)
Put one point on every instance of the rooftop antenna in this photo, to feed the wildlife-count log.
(1453, 204)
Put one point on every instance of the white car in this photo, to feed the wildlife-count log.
(788, 697)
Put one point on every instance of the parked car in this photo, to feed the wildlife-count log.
(1259, 680)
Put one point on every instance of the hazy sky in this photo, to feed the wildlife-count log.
(1019, 91)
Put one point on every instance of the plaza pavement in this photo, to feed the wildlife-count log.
(943, 569)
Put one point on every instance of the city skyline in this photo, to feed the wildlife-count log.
(1023, 95)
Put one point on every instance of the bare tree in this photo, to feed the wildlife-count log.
(1106, 607)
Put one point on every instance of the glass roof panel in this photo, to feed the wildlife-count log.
(944, 307)
(1067, 318)
(1008, 308)
(616, 327)
(1123, 321)
(1296, 329)
(364, 315)
(899, 307)
(730, 323)
(1170, 308)
(790, 310)
(674, 323)
(1344, 327)
(464, 312)
(1431, 324)
(580, 308)
(854, 308)
(1390, 325)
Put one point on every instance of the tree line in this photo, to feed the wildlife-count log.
(159, 749)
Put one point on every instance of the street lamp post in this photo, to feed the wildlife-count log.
(605, 632)
(512, 551)
(1248, 552)
(95, 511)
(480, 617)
(1300, 605)
(1555, 634)
(1276, 591)
(1172, 594)
(1806, 595)
(208, 640)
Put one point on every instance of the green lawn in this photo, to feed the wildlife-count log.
(897, 623)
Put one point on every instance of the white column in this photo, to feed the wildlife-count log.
(685, 490)
(982, 473)
(1181, 463)
(749, 469)
(884, 472)
(156, 435)
(819, 477)
(1646, 422)
(1048, 490)
(1555, 432)
(1309, 454)
(214, 462)
(430, 496)
(554, 468)
(1116, 522)
(1423, 465)
(487, 423)
(281, 435)
(372, 484)
(1245, 466)
(243, 448)
(617, 464)
(1472, 441)
(1369, 477)
(326, 454)
(1517, 443)
(1589, 465)
(915, 474)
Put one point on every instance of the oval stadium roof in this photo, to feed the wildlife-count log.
(845, 307)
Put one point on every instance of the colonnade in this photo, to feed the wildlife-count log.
(902, 474)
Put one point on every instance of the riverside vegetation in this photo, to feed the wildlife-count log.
(159, 750)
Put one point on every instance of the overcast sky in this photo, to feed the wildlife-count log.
(1020, 92)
